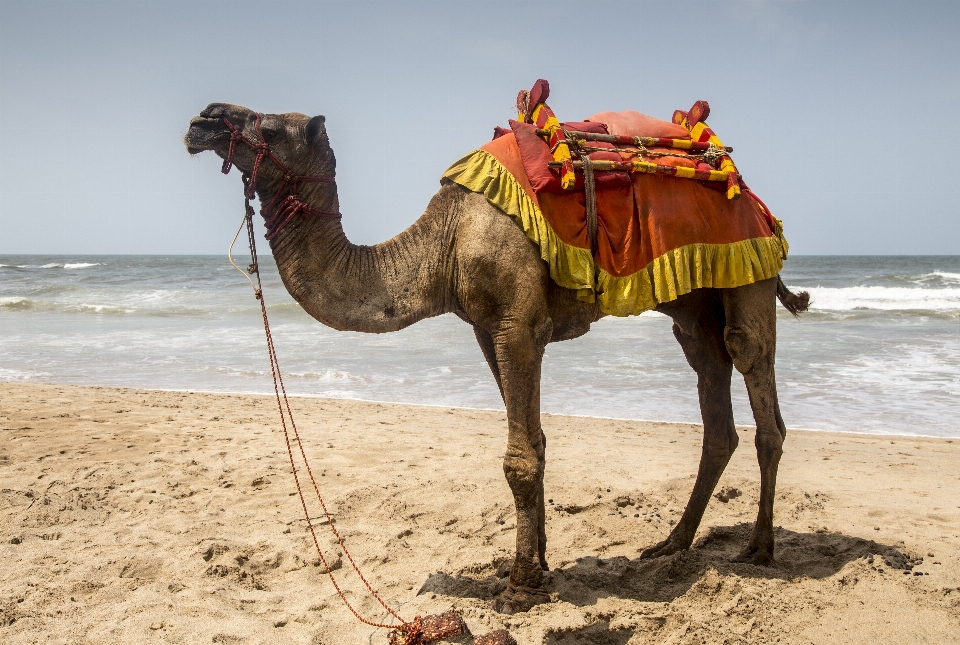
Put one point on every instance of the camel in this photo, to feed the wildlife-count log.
(464, 256)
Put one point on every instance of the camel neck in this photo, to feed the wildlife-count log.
(375, 289)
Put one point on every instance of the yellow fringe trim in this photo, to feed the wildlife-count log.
(669, 276)
(687, 268)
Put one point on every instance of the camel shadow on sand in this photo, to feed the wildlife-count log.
(582, 583)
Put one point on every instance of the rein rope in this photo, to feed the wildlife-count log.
(407, 632)
(281, 209)
(589, 187)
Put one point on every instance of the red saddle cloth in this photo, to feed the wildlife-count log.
(640, 216)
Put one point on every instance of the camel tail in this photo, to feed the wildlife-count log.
(795, 303)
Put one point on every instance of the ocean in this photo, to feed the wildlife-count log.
(879, 352)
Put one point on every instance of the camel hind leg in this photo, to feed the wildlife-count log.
(751, 337)
(698, 327)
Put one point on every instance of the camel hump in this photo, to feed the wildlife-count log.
(631, 123)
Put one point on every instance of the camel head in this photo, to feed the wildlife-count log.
(298, 141)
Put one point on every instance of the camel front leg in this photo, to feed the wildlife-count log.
(703, 346)
(489, 353)
(519, 351)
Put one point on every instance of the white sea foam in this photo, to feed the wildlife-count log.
(882, 298)
(85, 307)
(15, 302)
(53, 265)
(952, 277)
(19, 375)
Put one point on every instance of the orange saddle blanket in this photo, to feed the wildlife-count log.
(658, 236)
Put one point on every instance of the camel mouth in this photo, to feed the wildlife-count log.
(204, 134)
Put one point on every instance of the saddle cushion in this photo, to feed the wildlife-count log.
(659, 237)
(633, 124)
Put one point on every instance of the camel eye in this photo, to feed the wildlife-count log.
(270, 132)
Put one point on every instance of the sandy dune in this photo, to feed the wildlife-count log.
(148, 517)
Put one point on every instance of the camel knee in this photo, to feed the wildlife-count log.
(745, 349)
(769, 446)
(524, 475)
(720, 448)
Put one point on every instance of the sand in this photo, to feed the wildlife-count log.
(136, 516)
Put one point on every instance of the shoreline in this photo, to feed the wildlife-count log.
(739, 426)
(137, 515)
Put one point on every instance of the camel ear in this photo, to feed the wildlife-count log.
(315, 127)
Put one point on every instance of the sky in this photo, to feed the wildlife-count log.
(840, 113)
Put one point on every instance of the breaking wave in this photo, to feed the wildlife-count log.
(16, 303)
(24, 304)
(884, 298)
(52, 265)
(952, 277)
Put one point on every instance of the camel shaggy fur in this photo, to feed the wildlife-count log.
(464, 256)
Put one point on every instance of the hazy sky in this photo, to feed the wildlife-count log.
(842, 113)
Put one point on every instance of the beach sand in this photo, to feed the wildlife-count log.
(135, 516)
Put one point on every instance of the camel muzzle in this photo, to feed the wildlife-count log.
(204, 134)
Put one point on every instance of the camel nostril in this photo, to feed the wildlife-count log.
(214, 111)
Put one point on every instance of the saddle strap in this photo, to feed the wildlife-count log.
(590, 191)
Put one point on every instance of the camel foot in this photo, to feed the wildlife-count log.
(517, 599)
(668, 547)
(759, 556)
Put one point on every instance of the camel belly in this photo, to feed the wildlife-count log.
(571, 316)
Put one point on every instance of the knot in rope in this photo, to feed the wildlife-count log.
(412, 632)
(713, 154)
(262, 150)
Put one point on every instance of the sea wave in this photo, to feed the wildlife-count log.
(883, 298)
(334, 376)
(16, 303)
(953, 277)
(86, 307)
(52, 265)
(24, 304)
(8, 375)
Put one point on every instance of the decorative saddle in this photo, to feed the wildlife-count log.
(628, 210)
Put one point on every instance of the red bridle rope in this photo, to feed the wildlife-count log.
(286, 203)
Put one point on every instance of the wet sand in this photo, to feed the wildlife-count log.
(136, 516)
